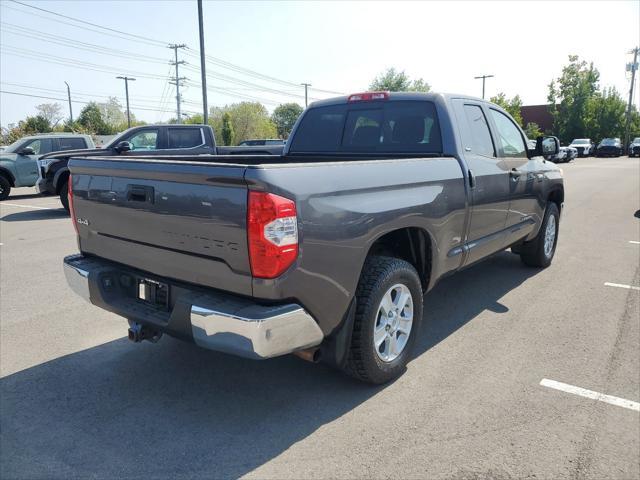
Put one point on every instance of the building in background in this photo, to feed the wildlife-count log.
(537, 114)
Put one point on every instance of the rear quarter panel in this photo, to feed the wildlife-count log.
(344, 207)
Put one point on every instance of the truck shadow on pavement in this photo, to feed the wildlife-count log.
(28, 215)
(173, 410)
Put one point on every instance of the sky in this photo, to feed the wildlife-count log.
(265, 50)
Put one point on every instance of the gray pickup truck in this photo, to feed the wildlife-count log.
(145, 141)
(325, 251)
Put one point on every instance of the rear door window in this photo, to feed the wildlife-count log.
(480, 137)
(65, 143)
(372, 127)
(184, 137)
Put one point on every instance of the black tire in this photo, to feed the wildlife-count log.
(379, 275)
(5, 188)
(64, 196)
(533, 253)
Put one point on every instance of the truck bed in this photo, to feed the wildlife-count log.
(186, 219)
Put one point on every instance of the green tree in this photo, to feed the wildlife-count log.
(227, 129)
(532, 130)
(395, 81)
(605, 115)
(285, 116)
(511, 105)
(250, 120)
(92, 121)
(37, 124)
(570, 97)
(14, 134)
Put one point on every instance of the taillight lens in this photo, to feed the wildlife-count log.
(72, 212)
(272, 231)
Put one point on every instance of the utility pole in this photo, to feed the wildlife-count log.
(178, 79)
(69, 96)
(633, 67)
(306, 97)
(126, 89)
(483, 77)
(205, 108)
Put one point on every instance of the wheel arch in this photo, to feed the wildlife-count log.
(556, 195)
(412, 244)
(60, 178)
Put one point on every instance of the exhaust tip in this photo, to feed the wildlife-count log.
(310, 354)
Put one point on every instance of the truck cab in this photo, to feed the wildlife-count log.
(19, 162)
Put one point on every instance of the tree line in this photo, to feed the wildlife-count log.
(579, 107)
(231, 123)
(577, 104)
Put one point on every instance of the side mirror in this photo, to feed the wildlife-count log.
(547, 146)
(27, 151)
(123, 147)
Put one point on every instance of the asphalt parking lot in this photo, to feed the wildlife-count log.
(77, 399)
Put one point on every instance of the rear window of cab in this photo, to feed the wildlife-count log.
(370, 127)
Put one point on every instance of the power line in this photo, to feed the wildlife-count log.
(76, 44)
(75, 101)
(158, 43)
(140, 98)
(138, 37)
(32, 54)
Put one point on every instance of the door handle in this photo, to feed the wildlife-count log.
(140, 193)
(515, 174)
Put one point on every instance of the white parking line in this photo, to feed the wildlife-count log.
(26, 206)
(634, 242)
(583, 392)
(620, 285)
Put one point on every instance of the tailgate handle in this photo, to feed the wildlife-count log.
(140, 193)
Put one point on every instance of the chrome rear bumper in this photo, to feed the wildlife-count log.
(216, 321)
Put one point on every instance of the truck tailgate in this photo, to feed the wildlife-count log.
(179, 220)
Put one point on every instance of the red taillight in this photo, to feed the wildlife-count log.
(72, 212)
(272, 232)
(367, 96)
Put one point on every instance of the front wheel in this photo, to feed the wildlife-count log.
(5, 188)
(388, 316)
(539, 252)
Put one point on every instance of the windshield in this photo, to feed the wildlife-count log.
(14, 146)
(608, 141)
(581, 141)
(636, 140)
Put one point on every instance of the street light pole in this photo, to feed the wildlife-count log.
(627, 127)
(306, 97)
(126, 89)
(69, 96)
(205, 108)
(483, 77)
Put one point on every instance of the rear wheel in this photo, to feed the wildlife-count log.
(387, 319)
(64, 196)
(5, 188)
(539, 252)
